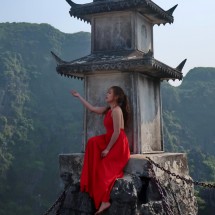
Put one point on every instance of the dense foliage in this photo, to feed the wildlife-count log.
(189, 121)
(39, 119)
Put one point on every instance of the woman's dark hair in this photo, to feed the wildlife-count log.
(123, 102)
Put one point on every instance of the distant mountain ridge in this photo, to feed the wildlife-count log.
(39, 119)
(193, 104)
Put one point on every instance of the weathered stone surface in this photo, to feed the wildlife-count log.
(124, 198)
(139, 164)
(136, 193)
(70, 166)
(152, 208)
(145, 128)
(77, 202)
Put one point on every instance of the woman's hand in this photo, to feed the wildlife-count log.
(75, 93)
(98, 110)
(104, 153)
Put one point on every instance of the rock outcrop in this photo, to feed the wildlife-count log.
(137, 192)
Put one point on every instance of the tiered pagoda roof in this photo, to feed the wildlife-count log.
(122, 60)
(146, 7)
(133, 61)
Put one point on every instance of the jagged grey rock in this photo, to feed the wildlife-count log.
(76, 202)
(136, 193)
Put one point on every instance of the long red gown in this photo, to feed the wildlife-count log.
(99, 174)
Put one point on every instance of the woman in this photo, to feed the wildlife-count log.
(106, 155)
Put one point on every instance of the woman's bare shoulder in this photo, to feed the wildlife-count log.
(117, 110)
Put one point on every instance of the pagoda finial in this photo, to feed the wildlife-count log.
(71, 3)
(171, 10)
(149, 53)
(58, 60)
(181, 65)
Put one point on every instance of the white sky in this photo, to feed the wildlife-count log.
(191, 36)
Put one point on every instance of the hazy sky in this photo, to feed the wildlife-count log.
(191, 36)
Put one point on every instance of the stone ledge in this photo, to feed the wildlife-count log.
(175, 162)
(137, 165)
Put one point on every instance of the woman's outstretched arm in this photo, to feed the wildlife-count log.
(98, 110)
(116, 114)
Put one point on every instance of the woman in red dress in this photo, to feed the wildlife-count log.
(106, 155)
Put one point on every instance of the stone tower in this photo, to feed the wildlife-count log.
(122, 54)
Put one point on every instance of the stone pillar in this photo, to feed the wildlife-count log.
(145, 128)
(118, 32)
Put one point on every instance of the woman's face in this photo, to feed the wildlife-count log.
(110, 96)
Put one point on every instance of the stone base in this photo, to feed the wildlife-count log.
(175, 162)
(136, 193)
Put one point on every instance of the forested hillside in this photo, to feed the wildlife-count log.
(189, 126)
(189, 118)
(39, 119)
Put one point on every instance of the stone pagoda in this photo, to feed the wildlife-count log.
(122, 54)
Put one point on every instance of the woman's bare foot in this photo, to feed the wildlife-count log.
(104, 206)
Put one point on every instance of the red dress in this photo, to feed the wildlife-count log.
(99, 174)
